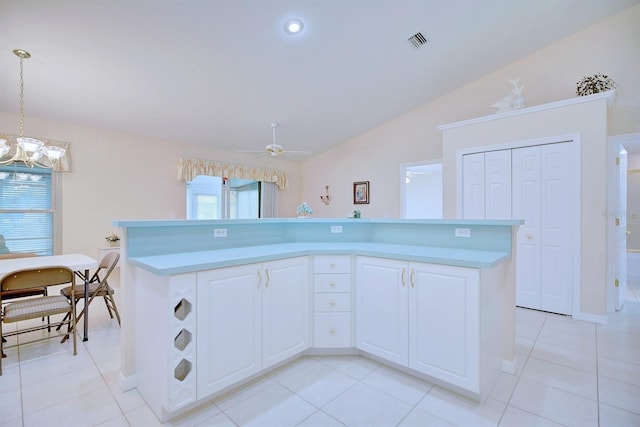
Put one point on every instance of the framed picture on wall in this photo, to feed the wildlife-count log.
(361, 193)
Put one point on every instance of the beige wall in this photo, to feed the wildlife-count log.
(118, 176)
(611, 47)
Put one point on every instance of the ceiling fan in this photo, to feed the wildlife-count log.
(275, 150)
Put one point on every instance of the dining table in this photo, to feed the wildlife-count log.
(79, 263)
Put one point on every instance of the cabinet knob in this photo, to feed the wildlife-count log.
(332, 284)
(332, 331)
(332, 265)
(332, 302)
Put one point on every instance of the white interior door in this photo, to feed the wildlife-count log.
(473, 202)
(556, 290)
(621, 227)
(526, 206)
(497, 175)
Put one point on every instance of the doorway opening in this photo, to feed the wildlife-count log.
(421, 189)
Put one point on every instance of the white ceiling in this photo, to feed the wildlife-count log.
(218, 72)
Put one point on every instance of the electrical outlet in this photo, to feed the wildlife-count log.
(336, 229)
(219, 232)
(463, 232)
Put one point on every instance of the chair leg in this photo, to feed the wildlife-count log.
(114, 307)
(106, 302)
(66, 316)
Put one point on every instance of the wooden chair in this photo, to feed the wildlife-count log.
(98, 287)
(34, 307)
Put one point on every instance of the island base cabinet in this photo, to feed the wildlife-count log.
(426, 317)
(443, 323)
(230, 322)
(165, 324)
(286, 306)
(250, 317)
(382, 308)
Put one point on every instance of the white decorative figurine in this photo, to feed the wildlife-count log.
(513, 101)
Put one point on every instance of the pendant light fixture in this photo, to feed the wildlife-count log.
(28, 150)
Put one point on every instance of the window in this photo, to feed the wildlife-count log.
(28, 216)
(212, 197)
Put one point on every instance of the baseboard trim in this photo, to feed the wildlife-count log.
(510, 366)
(127, 383)
(593, 318)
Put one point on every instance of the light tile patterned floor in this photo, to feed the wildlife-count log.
(569, 373)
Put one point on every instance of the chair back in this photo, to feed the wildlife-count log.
(15, 255)
(107, 263)
(35, 277)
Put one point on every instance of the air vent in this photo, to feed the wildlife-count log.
(418, 40)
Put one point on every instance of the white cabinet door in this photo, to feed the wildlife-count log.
(229, 316)
(473, 200)
(381, 308)
(286, 308)
(444, 323)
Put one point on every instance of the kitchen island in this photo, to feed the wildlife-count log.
(208, 305)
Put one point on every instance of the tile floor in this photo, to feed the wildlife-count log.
(570, 373)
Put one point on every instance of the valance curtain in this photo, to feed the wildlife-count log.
(188, 169)
(62, 165)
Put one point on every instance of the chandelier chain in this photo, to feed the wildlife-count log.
(21, 97)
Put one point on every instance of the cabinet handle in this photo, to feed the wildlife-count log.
(332, 284)
(259, 279)
(332, 302)
(266, 272)
(332, 331)
(332, 265)
(404, 272)
(411, 278)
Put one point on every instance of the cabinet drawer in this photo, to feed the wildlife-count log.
(332, 330)
(332, 264)
(332, 283)
(332, 302)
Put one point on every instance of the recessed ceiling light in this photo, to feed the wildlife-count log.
(293, 26)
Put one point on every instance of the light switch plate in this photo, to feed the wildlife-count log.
(219, 232)
(336, 229)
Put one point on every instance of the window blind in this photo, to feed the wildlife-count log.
(26, 214)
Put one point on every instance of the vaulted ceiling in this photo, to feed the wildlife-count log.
(218, 72)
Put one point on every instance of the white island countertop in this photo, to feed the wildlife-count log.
(187, 262)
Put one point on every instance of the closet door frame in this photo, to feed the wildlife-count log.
(575, 177)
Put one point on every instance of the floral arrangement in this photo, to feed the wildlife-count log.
(112, 238)
(304, 209)
(594, 84)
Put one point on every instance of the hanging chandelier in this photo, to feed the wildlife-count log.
(31, 151)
